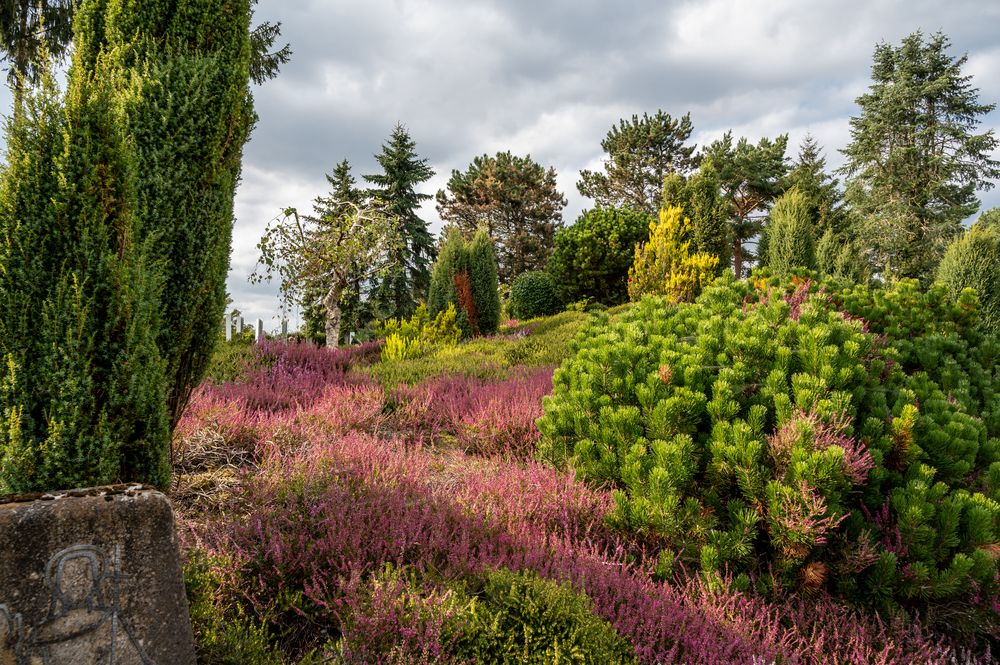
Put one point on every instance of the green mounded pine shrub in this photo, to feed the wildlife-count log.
(592, 257)
(790, 242)
(809, 437)
(83, 396)
(973, 261)
(533, 294)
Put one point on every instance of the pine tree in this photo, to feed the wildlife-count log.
(84, 393)
(790, 234)
(821, 190)
(398, 293)
(641, 152)
(751, 177)
(182, 69)
(915, 159)
(516, 199)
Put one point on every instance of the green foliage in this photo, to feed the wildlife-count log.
(484, 282)
(700, 197)
(790, 242)
(465, 276)
(664, 266)
(752, 176)
(841, 256)
(990, 219)
(223, 633)
(515, 199)
(522, 618)
(641, 152)
(181, 72)
(83, 395)
(972, 261)
(407, 282)
(410, 339)
(915, 159)
(592, 257)
(837, 440)
(32, 32)
(533, 294)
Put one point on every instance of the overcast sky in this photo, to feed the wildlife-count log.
(550, 77)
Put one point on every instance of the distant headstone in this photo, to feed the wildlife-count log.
(259, 336)
(92, 576)
(284, 329)
(229, 327)
(239, 327)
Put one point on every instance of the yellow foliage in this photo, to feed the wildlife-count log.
(411, 338)
(665, 266)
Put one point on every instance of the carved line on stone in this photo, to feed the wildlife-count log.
(78, 610)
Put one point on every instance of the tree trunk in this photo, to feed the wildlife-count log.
(332, 304)
(738, 258)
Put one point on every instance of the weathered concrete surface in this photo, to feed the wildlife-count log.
(92, 577)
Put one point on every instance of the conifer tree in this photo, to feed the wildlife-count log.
(27, 29)
(973, 261)
(83, 396)
(465, 276)
(916, 157)
(484, 282)
(790, 234)
(641, 152)
(700, 197)
(516, 199)
(398, 293)
(751, 176)
(820, 189)
(665, 266)
(182, 69)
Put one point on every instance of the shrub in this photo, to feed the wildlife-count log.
(592, 257)
(790, 242)
(973, 261)
(663, 265)
(533, 294)
(522, 618)
(842, 440)
(410, 339)
(464, 275)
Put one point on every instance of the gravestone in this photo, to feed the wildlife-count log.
(239, 326)
(259, 336)
(92, 577)
(284, 329)
(229, 327)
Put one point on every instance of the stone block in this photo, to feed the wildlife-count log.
(92, 577)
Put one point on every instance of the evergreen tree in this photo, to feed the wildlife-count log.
(973, 261)
(399, 291)
(915, 159)
(516, 199)
(484, 282)
(665, 265)
(700, 197)
(83, 396)
(641, 152)
(751, 177)
(592, 257)
(27, 29)
(790, 234)
(182, 69)
(820, 189)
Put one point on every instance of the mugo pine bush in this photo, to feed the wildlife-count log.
(798, 437)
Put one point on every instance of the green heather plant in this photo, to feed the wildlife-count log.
(805, 437)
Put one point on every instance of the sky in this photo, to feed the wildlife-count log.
(549, 78)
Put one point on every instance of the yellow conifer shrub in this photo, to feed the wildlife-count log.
(664, 265)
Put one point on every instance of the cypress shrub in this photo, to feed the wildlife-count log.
(484, 282)
(533, 294)
(790, 242)
(83, 396)
(973, 261)
(182, 70)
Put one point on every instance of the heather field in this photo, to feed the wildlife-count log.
(338, 507)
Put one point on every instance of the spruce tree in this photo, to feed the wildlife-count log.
(397, 294)
(790, 234)
(83, 395)
(183, 71)
(916, 157)
(821, 190)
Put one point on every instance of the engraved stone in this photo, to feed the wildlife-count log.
(259, 336)
(92, 577)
